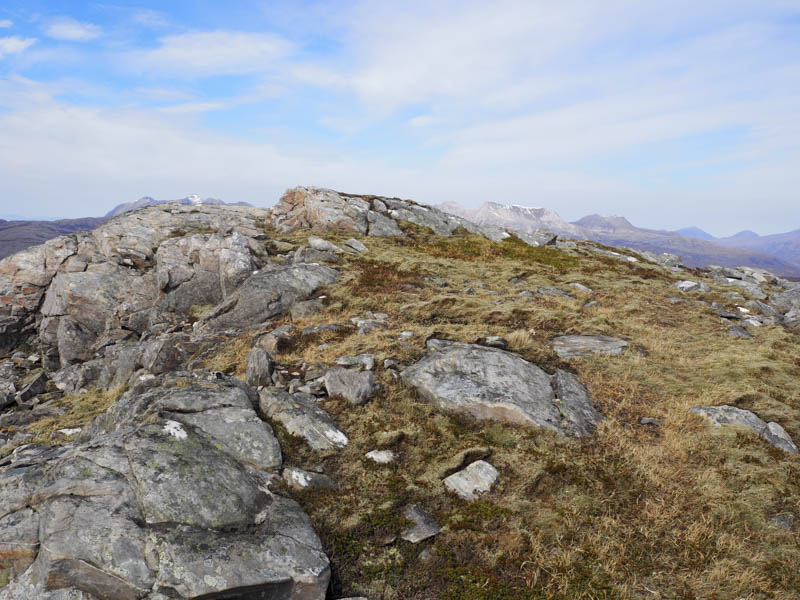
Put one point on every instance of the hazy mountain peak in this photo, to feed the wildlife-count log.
(695, 233)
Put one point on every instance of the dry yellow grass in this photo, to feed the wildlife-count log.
(680, 511)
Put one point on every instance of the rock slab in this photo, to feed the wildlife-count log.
(731, 415)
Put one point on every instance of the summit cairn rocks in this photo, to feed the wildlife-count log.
(489, 383)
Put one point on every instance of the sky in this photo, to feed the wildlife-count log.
(671, 113)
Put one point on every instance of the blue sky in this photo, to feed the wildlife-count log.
(671, 113)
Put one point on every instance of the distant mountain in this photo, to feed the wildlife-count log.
(741, 236)
(18, 235)
(695, 233)
(148, 201)
(785, 246)
(619, 232)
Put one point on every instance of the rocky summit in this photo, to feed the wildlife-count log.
(359, 396)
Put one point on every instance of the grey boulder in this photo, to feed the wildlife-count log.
(488, 383)
(730, 415)
(357, 387)
(302, 417)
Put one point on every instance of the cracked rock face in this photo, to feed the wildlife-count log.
(167, 495)
(488, 383)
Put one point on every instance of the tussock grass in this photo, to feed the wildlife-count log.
(81, 408)
(678, 511)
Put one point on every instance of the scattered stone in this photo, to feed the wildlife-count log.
(526, 294)
(462, 459)
(306, 308)
(581, 288)
(362, 361)
(357, 387)
(537, 237)
(653, 421)
(32, 386)
(301, 416)
(788, 300)
(392, 363)
(301, 479)
(323, 245)
(591, 303)
(674, 300)
(571, 346)
(784, 520)
(277, 340)
(488, 383)
(370, 322)
(478, 478)
(792, 319)
(469, 291)
(493, 341)
(737, 331)
(425, 526)
(731, 415)
(259, 368)
(382, 457)
(437, 281)
(553, 291)
(691, 286)
(354, 244)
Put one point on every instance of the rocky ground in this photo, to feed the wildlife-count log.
(360, 396)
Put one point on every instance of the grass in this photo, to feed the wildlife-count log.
(680, 511)
(80, 409)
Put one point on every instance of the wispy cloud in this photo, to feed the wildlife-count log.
(212, 53)
(68, 29)
(14, 45)
(5, 23)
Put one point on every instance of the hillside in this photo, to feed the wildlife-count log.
(18, 235)
(785, 246)
(619, 232)
(353, 395)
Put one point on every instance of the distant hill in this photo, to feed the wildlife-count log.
(785, 246)
(16, 235)
(695, 233)
(613, 230)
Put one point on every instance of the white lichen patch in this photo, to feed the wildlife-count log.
(175, 429)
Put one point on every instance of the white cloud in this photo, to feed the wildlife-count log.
(14, 45)
(68, 29)
(213, 53)
(5, 23)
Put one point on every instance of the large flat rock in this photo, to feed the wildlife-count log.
(731, 415)
(488, 383)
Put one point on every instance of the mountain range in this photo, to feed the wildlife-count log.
(778, 253)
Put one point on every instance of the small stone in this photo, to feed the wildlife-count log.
(526, 294)
(690, 286)
(493, 341)
(469, 291)
(477, 478)
(405, 335)
(363, 361)
(581, 288)
(674, 300)
(737, 331)
(569, 346)
(357, 387)
(382, 457)
(392, 363)
(354, 244)
(301, 479)
(784, 520)
(323, 245)
(306, 308)
(437, 281)
(259, 368)
(650, 421)
(425, 526)
(553, 291)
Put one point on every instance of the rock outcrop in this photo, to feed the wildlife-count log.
(730, 415)
(166, 495)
